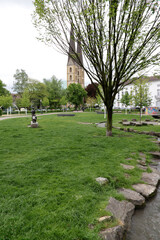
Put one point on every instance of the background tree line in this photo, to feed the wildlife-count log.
(51, 94)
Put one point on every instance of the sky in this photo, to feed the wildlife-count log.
(19, 48)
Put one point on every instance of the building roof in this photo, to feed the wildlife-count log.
(73, 51)
(147, 78)
(79, 52)
(153, 78)
(71, 48)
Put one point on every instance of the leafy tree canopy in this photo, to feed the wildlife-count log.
(54, 89)
(25, 100)
(75, 94)
(45, 101)
(3, 90)
(91, 90)
(141, 95)
(126, 98)
(37, 91)
(21, 81)
(6, 101)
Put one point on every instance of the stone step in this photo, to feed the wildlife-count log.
(121, 210)
(155, 154)
(144, 189)
(113, 233)
(151, 178)
(127, 167)
(134, 197)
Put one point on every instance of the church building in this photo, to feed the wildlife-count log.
(75, 73)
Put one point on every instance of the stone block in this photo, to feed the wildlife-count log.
(126, 123)
(155, 154)
(102, 180)
(151, 178)
(121, 210)
(34, 125)
(136, 198)
(115, 233)
(144, 168)
(127, 167)
(144, 189)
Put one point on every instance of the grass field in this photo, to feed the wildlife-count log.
(47, 175)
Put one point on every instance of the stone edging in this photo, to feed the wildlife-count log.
(157, 134)
(123, 210)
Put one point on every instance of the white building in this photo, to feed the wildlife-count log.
(154, 89)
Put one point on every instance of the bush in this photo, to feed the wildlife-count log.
(0, 112)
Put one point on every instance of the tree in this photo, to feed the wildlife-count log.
(63, 102)
(91, 90)
(75, 94)
(126, 100)
(119, 38)
(6, 101)
(37, 91)
(25, 100)
(55, 90)
(21, 81)
(91, 101)
(141, 96)
(45, 102)
(3, 90)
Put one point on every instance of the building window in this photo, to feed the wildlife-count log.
(158, 92)
(70, 69)
(70, 77)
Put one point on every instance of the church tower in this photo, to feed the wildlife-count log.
(75, 73)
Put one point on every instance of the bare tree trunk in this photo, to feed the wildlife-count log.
(109, 122)
(140, 115)
(105, 112)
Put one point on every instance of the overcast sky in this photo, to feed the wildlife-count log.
(19, 48)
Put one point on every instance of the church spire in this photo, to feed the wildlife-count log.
(79, 52)
(71, 46)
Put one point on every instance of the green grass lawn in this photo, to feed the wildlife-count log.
(47, 175)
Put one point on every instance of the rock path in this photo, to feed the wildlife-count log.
(123, 210)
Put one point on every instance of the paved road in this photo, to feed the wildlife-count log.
(4, 117)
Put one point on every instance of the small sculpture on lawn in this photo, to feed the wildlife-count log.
(34, 117)
(34, 123)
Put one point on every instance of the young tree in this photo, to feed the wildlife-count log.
(75, 94)
(126, 99)
(6, 101)
(119, 38)
(45, 102)
(55, 90)
(63, 102)
(37, 91)
(25, 100)
(141, 97)
(21, 81)
(91, 101)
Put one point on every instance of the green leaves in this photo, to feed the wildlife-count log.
(126, 99)
(75, 94)
(6, 101)
(142, 96)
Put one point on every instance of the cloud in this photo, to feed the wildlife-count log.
(22, 3)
